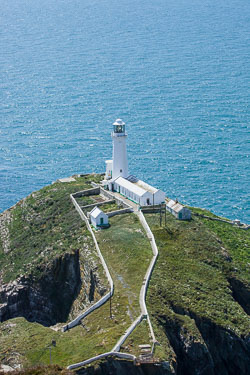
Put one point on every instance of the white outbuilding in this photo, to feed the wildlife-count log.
(98, 218)
(178, 210)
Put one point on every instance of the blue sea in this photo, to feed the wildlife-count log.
(176, 71)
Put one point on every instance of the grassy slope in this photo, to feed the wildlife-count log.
(235, 240)
(192, 272)
(43, 226)
(127, 251)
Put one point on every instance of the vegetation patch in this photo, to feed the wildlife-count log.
(43, 226)
(196, 259)
(127, 251)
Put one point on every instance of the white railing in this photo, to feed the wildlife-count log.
(100, 356)
(147, 277)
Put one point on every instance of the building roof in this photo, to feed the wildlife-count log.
(146, 186)
(130, 186)
(176, 206)
(96, 212)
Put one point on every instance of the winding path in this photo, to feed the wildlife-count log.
(142, 299)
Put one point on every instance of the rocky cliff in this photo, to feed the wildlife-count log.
(198, 296)
(48, 272)
(47, 300)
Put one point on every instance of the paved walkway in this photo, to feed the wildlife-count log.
(127, 201)
(142, 297)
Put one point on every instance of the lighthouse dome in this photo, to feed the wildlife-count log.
(119, 122)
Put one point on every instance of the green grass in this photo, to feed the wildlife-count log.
(91, 199)
(84, 201)
(42, 370)
(140, 336)
(192, 271)
(43, 226)
(196, 259)
(127, 251)
(110, 207)
(236, 241)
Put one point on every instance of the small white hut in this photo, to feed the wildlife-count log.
(178, 210)
(98, 218)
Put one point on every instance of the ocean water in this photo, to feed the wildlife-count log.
(176, 71)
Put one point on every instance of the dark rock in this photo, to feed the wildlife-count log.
(219, 352)
(47, 300)
(123, 367)
(241, 293)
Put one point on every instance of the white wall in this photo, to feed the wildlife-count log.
(120, 161)
(143, 199)
(97, 221)
(159, 197)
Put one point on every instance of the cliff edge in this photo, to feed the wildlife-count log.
(198, 296)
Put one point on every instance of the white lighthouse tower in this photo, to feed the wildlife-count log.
(120, 161)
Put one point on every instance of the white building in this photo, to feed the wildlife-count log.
(139, 192)
(98, 218)
(178, 210)
(116, 176)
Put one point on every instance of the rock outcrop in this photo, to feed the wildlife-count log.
(218, 351)
(49, 299)
(123, 367)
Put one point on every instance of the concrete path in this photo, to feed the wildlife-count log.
(100, 356)
(134, 205)
(143, 291)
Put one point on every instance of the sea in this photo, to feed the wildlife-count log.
(176, 71)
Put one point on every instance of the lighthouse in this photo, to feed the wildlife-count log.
(120, 161)
(117, 178)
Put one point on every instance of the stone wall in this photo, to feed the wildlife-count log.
(85, 193)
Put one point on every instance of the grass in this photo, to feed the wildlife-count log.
(84, 201)
(43, 226)
(196, 259)
(110, 207)
(235, 240)
(127, 251)
(42, 370)
(107, 207)
(191, 274)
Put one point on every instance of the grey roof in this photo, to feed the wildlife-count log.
(96, 212)
(130, 186)
(176, 206)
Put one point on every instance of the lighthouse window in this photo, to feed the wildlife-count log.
(120, 170)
